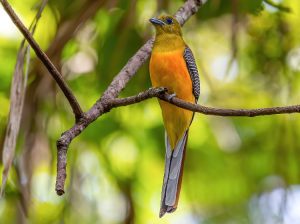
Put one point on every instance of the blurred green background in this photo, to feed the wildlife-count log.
(237, 170)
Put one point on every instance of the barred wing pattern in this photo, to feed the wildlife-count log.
(192, 67)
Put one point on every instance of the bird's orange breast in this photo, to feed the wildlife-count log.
(168, 69)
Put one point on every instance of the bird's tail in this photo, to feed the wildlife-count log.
(174, 164)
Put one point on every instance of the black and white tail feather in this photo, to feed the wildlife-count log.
(174, 160)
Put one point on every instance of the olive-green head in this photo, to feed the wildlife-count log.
(166, 24)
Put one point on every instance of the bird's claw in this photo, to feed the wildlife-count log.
(171, 96)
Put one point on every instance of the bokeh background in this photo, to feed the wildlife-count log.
(237, 170)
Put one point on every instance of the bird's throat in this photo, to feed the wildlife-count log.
(168, 42)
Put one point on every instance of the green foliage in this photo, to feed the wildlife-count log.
(216, 8)
(234, 168)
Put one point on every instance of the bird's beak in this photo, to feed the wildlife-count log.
(157, 21)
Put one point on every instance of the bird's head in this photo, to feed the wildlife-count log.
(166, 24)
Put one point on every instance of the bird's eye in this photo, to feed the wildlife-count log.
(169, 20)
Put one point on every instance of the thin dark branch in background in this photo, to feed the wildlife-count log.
(278, 5)
(46, 61)
(234, 29)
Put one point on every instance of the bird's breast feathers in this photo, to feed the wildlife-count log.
(168, 69)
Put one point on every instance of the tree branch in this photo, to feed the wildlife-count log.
(229, 112)
(64, 142)
(109, 99)
(44, 58)
(119, 102)
(143, 54)
(97, 110)
(105, 103)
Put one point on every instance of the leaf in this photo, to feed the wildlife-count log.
(17, 96)
(217, 8)
(278, 6)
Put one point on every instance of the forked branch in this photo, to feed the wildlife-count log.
(109, 98)
(44, 58)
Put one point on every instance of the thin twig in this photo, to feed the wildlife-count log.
(234, 29)
(230, 112)
(44, 58)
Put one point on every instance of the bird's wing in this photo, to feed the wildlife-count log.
(192, 67)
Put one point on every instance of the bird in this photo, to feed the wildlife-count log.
(172, 65)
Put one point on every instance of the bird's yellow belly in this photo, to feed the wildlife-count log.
(169, 70)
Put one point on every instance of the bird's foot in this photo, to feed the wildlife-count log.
(171, 96)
